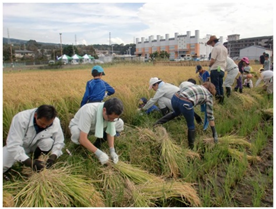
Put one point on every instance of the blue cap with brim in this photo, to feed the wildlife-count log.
(99, 69)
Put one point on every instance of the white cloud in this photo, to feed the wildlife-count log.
(93, 22)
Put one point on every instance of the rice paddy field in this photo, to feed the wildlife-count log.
(156, 168)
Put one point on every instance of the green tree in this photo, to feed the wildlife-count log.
(70, 50)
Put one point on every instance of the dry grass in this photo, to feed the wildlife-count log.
(55, 188)
(240, 155)
(231, 140)
(7, 199)
(148, 189)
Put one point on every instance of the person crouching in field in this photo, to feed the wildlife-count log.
(96, 89)
(34, 131)
(163, 95)
(119, 127)
(143, 101)
(183, 102)
(248, 81)
(204, 75)
(171, 115)
(97, 117)
(267, 77)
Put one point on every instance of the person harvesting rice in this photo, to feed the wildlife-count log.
(96, 117)
(183, 102)
(36, 130)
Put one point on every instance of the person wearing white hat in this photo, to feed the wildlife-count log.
(163, 95)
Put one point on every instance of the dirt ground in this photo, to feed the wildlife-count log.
(243, 191)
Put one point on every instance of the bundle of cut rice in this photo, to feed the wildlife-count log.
(147, 189)
(247, 100)
(268, 112)
(231, 140)
(7, 199)
(240, 155)
(55, 188)
(171, 154)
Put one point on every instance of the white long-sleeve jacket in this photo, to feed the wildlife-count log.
(164, 90)
(22, 135)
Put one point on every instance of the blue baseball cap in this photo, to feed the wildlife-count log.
(98, 68)
(198, 68)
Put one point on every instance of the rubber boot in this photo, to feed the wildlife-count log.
(164, 111)
(228, 91)
(240, 90)
(221, 100)
(197, 118)
(191, 138)
(165, 119)
(235, 89)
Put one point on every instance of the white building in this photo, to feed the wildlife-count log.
(254, 52)
(180, 46)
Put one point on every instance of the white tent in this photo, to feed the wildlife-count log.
(76, 59)
(65, 58)
(86, 58)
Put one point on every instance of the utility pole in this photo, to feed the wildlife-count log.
(60, 44)
(10, 49)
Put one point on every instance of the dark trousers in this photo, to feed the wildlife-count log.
(181, 107)
(217, 80)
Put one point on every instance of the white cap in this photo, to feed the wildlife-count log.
(119, 125)
(153, 81)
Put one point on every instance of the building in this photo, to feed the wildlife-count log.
(235, 44)
(254, 52)
(180, 46)
(23, 53)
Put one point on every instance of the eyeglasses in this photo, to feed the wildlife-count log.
(111, 119)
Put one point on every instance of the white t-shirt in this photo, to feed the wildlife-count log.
(86, 118)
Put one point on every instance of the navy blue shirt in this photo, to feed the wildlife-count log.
(95, 91)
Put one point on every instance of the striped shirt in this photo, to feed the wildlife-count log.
(198, 94)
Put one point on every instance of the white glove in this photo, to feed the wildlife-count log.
(105, 95)
(102, 156)
(114, 156)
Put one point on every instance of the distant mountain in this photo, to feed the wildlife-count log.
(19, 41)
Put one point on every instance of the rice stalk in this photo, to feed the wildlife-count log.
(169, 152)
(56, 188)
(246, 100)
(231, 140)
(191, 154)
(146, 134)
(7, 199)
(150, 193)
(240, 155)
(135, 174)
(268, 112)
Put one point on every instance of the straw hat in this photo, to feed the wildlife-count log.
(212, 38)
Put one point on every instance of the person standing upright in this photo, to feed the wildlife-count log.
(262, 58)
(217, 65)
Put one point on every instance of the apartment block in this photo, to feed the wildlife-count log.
(179, 46)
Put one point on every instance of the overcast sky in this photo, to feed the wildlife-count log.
(91, 23)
